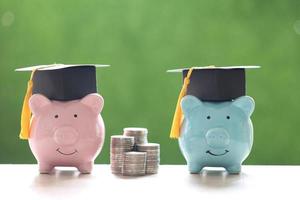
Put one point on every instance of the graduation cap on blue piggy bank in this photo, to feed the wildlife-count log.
(212, 117)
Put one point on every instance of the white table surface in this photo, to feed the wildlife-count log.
(172, 182)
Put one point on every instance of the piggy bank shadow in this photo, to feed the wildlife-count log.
(58, 178)
(217, 178)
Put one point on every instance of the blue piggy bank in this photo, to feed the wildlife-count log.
(216, 134)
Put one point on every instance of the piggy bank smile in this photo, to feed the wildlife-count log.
(210, 152)
(59, 150)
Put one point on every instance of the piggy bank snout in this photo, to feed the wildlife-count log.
(217, 138)
(65, 135)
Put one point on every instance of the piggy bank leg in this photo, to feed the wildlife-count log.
(195, 167)
(85, 168)
(45, 168)
(234, 169)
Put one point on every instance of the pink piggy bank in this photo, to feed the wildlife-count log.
(66, 133)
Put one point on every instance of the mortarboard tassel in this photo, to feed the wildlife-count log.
(178, 115)
(26, 112)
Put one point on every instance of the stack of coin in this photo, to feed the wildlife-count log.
(119, 144)
(153, 156)
(134, 163)
(139, 134)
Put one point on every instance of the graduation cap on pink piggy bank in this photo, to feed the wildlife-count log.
(61, 116)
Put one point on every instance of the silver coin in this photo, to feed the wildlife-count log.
(148, 150)
(122, 142)
(134, 154)
(122, 146)
(134, 165)
(116, 166)
(134, 168)
(151, 154)
(135, 130)
(134, 157)
(152, 167)
(125, 140)
(148, 146)
(152, 162)
(116, 161)
(120, 137)
(133, 171)
(119, 151)
(142, 160)
(116, 156)
(116, 172)
(137, 161)
(152, 159)
(152, 172)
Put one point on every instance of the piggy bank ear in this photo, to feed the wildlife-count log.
(188, 103)
(245, 103)
(37, 102)
(94, 101)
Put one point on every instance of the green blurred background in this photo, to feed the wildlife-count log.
(141, 40)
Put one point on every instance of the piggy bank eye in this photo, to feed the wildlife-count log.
(75, 116)
(208, 117)
(56, 116)
(228, 117)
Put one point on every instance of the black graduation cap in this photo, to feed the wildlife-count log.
(209, 83)
(64, 82)
(216, 83)
(57, 82)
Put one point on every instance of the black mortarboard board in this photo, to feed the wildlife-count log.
(216, 83)
(64, 82)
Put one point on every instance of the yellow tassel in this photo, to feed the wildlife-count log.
(26, 112)
(178, 116)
